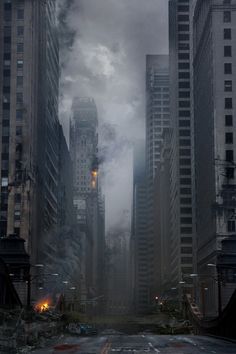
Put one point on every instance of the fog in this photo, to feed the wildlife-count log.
(107, 42)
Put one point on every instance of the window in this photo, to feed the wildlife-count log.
(183, 28)
(4, 182)
(184, 133)
(7, 30)
(184, 94)
(7, 63)
(19, 81)
(19, 114)
(227, 51)
(19, 97)
(184, 66)
(228, 103)
(229, 172)
(183, 18)
(7, 39)
(228, 68)
(183, 8)
(17, 215)
(183, 56)
(184, 113)
(7, 15)
(185, 181)
(184, 84)
(227, 33)
(18, 130)
(229, 138)
(184, 123)
(20, 64)
(184, 104)
(20, 14)
(231, 226)
(183, 37)
(185, 162)
(229, 155)
(185, 171)
(20, 31)
(184, 75)
(227, 16)
(6, 72)
(184, 142)
(229, 120)
(228, 86)
(183, 46)
(184, 152)
(18, 198)
(20, 47)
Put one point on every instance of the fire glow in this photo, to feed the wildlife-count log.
(42, 305)
(94, 174)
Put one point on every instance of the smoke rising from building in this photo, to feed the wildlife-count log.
(108, 41)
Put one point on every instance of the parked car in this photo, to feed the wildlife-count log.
(82, 329)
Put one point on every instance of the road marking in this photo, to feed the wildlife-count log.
(106, 348)
(143, 335)
(213, 352)
(152, 347)
(202, 348)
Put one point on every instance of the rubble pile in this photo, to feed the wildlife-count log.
(27, 329)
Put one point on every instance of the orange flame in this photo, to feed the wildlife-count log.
(42, 305)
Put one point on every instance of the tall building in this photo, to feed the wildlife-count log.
(162, 227)
(83, 147)
(157, 118)
(88, 199)
(139, 240)
(29, 144)
(215, 147)
(181, 159)
(157, 108)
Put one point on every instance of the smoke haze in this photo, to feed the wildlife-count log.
(104, 43)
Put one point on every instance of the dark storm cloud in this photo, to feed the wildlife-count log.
(108, 41)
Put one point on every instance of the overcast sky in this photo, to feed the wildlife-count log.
(107, 62)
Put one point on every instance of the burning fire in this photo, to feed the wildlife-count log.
(94, 174)
(42, 305)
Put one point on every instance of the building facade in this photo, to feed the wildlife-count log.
(181, 155)
(29, 74)
(157, 118)
(139, 240)
(88, 199)
(214, 45)
(162, 227)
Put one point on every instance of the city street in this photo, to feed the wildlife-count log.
(179, 344)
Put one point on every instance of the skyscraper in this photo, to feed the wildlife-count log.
(157, 118)
(83, 147)
(29, 74)
(181, 164)
(88, 199)
(215, 145)
(139, 237)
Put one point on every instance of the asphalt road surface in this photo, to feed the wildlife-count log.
(143, 343)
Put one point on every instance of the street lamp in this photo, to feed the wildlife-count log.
(218, 279)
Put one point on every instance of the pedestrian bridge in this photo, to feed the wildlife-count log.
(223, 325)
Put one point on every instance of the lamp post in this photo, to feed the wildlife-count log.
(218, 279)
